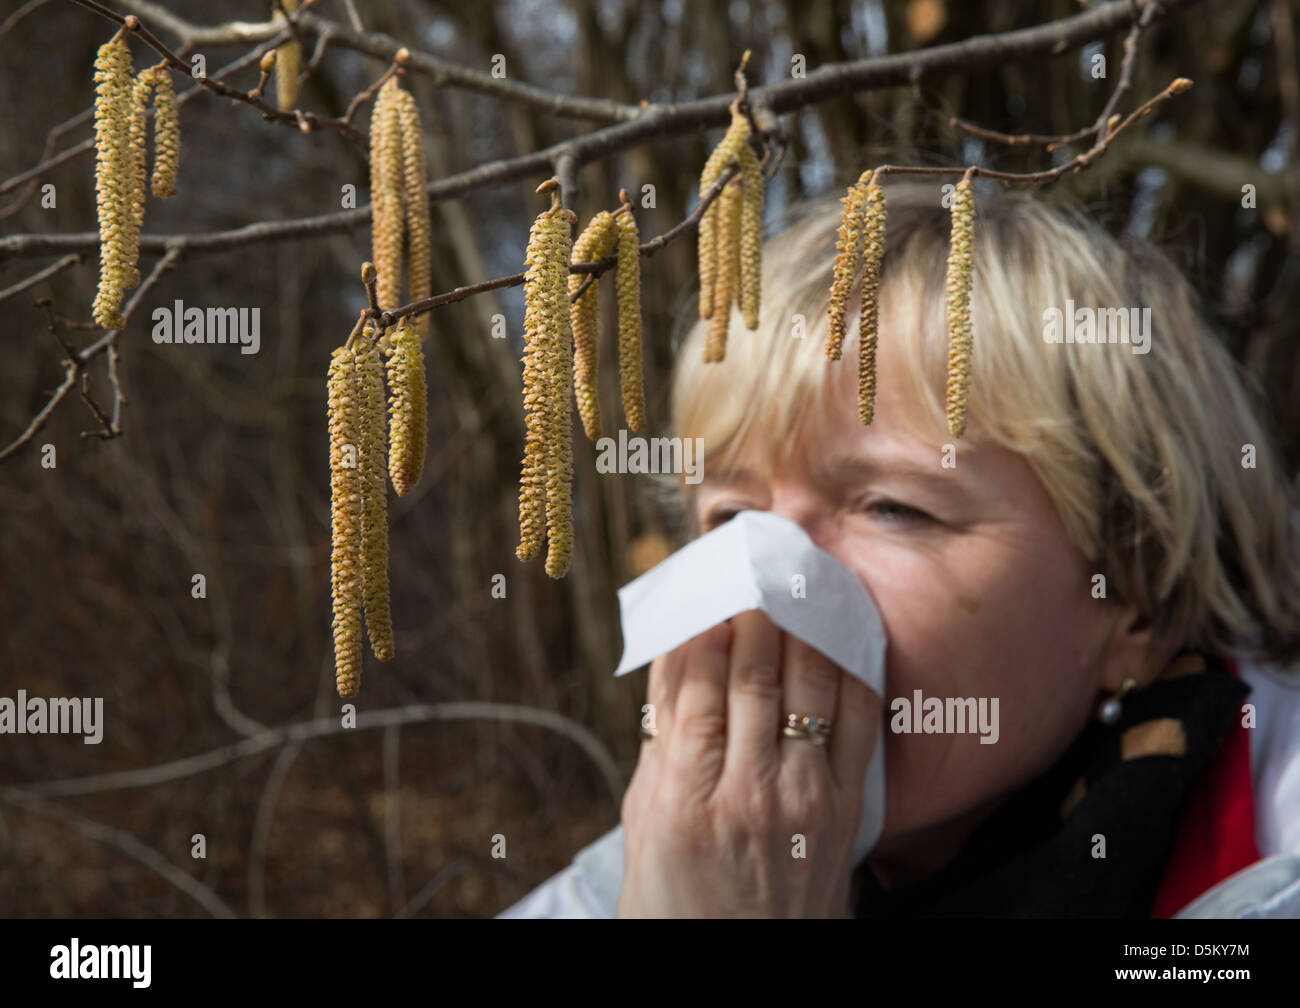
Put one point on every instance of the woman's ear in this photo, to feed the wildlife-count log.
(1134, 651)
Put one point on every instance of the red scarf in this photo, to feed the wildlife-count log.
(1216, 837)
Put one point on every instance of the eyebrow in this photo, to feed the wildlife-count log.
(847, 468)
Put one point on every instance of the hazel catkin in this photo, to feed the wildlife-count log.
(731, 146)
(545, 487)
(751, 236)
(727, 273)
(416, 201)
(595, 243)
(961, 267)
(408, 418)
(166, 135)
(386, 184)
(113, 94)
(628, 281)
(537, 414)
(373, 462)
(346, 520)
(873, 251)
(848, 253)
(288, 64)
(137, 143)
(559, 469)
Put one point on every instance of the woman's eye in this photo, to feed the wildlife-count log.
(894, 511)
(718, 516)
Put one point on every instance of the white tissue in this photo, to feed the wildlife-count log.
(750, 562)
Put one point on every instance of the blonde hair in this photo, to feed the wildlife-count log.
(1140, 453)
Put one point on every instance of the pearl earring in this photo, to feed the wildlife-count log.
(1109, 711)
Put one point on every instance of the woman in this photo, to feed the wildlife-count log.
(1111, 550)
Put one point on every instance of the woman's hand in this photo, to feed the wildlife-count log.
(710, 816)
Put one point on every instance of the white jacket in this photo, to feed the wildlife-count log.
(1270, 888)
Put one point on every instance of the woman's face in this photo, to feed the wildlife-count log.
(981, 594)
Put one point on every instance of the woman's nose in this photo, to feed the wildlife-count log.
(808, 511)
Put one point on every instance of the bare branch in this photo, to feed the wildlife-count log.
(414, 714)
(127, 844)
(44, 274)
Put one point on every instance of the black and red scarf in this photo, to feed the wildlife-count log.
(1168, 787)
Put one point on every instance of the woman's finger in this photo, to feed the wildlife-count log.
(810, 686)
(857, 726)
(753, 694)
(697, 744)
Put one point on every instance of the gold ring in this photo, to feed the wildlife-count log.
(809, 727)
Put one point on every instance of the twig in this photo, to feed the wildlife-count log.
(262, 826)
(128, 845)
(45, 274)
(19, 14)
(327, 726)
(656, 122)
(78, 360)
(48, 162)
(306, 121)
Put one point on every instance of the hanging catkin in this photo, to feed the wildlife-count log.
(559, 469)
(848, 253)
(373, 461)
(628, 281)
(731, 146)
(416, 200)
(113, 92)
(537, 411)
(751, 236)
(166, 135)
(346, 516)
(544, 490)
(727, 273)
(137, 145)
(961, 267)
(288, 64)
(595, 242)
(409, 429)
(873, 251)
(386, 194)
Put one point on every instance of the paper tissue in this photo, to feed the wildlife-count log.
(752, 562)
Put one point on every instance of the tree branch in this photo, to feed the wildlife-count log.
(321, 727)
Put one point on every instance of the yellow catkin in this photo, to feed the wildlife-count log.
(137, 144)
(732, 144)
(628, 280)
(848, 253)
(288, 64)
(408, 416)
(113, 92)
(373, 461)
(387, 225)
(166, 135)
(537, 410)
(725, 282)
(595, 242)
(873, 251)
(416, 199)
(346, 513)
(961, 267)
(751, 236)
(559, 468)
